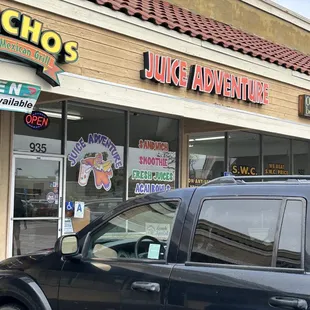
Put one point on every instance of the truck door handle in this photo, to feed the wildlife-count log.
(146, 286)
(288, 302)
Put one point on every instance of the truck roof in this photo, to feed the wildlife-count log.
(288, 185)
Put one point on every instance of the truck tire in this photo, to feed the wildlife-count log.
(12, 307)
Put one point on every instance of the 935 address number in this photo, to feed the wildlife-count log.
(37, 147)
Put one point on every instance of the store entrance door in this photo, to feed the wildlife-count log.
(36, 203)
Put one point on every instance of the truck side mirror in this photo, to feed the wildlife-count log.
(67, 245)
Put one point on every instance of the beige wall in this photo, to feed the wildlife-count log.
(5, 165)
(252, 20)
(116, 58)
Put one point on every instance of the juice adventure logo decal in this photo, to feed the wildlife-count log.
(165, 70)
(18, 97)
(24, 38)
(98, 155)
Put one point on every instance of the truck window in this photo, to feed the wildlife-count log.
(236, 231)
(290, 244)
(120, 237)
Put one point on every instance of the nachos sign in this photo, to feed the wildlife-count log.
(24, 38)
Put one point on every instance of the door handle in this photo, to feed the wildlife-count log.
(146, 286)
(288, 302)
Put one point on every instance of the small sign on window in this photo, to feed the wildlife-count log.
(158, 230)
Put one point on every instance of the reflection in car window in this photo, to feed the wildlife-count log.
(290, 245)
(99, 207)
(119, 237)
(236, 231)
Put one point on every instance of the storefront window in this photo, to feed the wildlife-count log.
(244, 153)
(301, 157)
(276, 153)
(206, 157)
(30, 236)
(95, 164)
(152, 154)
(46, 139)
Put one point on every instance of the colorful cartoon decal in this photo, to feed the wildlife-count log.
(101, 163)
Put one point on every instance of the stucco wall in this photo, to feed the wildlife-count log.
(5, 169)
(250, 19)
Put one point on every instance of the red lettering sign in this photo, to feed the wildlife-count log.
(36, 120)
(163, 69)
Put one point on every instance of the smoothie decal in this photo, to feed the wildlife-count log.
(101, 167)
(153, 181)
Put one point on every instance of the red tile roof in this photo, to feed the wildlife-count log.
(175, 18)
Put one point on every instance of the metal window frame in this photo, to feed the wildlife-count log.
(126, 154)
(43, 157)
(303, 230)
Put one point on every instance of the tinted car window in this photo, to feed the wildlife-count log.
(118, 237)
(290, 244)
(236, 231)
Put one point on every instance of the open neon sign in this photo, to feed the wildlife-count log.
(37, 120)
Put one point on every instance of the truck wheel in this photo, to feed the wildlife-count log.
(12, 307)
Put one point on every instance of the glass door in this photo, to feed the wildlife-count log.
(36, 203)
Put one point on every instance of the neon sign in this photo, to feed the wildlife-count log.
(37, 120)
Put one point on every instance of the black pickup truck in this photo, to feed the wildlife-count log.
(232, 244)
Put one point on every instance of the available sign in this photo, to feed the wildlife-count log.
(164, 69)
(18, 97)
(24, 38)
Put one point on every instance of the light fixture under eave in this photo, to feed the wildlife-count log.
(207, 138)
(59, 115)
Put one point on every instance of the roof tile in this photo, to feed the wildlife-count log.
(181, 20)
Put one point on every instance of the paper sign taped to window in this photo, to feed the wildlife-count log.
(79, 209)
(157, 230)
(68, 227)
(154, 251)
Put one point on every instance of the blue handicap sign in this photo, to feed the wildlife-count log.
(69, 205)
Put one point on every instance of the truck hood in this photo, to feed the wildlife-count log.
(24, 262)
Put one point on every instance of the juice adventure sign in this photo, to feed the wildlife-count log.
(24, 38)
(99, 155)
(165, 70)
(153, 174)
(18, 97)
